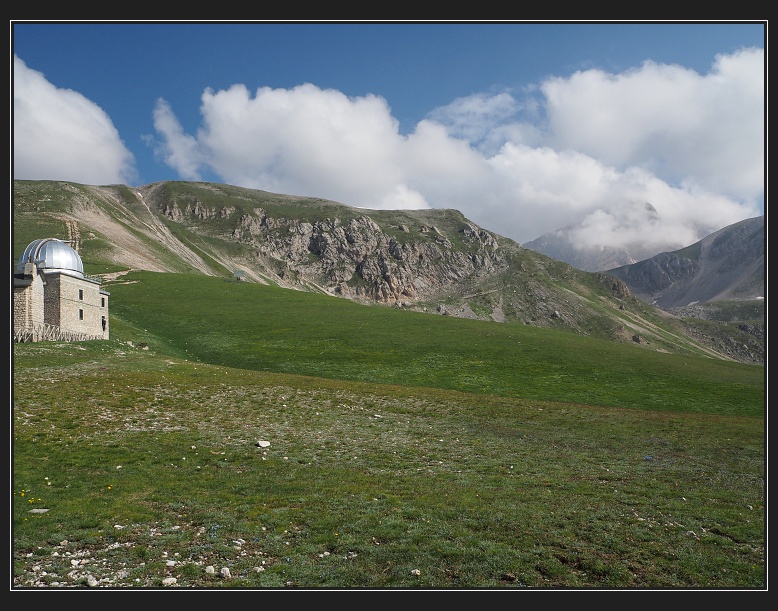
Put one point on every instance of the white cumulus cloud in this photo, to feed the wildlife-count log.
(689, 129)
(592, 150)
(58, 134)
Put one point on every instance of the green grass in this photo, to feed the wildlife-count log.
(267, 328)
(406, 450)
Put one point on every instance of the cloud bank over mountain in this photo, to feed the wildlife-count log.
(659, 153)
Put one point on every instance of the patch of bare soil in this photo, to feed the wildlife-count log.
(130, 250)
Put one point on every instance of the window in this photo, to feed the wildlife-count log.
(102, 302)
(80, 314)
(81, 294)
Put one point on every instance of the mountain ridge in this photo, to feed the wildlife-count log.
(435, 261)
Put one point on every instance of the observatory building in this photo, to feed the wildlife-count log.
(53, 299)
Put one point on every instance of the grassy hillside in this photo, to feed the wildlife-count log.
(234, 435)
(215, 230)
(266, 328)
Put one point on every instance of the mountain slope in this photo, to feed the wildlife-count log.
(435, 261)
(726, 265)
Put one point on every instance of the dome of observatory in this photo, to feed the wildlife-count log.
(51, 254)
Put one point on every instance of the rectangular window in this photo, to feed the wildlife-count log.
(81, 315)
(102, 302)
(80, 294)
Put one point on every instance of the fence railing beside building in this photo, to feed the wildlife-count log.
(42, 332)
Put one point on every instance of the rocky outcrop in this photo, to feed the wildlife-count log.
(356, 258)
(426, 260)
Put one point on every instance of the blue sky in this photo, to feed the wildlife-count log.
(523, 127)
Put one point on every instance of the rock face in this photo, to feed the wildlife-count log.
(355, 258)
(412, 259)
(427, 260)
(728, 264)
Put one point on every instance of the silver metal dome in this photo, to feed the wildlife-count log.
(53, 255)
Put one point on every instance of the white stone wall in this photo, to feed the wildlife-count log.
(28, 304)
(76, 304)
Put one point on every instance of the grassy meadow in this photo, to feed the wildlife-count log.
(231, 435)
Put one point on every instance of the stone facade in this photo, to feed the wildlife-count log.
(28, 302)
(76, 304)
(58, 304)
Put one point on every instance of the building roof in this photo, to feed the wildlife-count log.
(51, 254)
